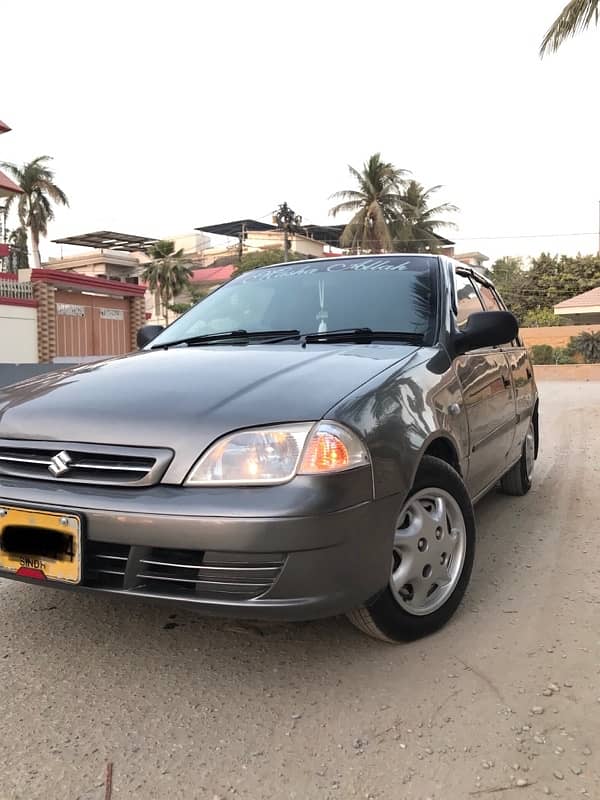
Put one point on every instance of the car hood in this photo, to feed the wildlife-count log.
(185, 398)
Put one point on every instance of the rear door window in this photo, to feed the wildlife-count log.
(467, 299)
(488, 298)
(491, 302)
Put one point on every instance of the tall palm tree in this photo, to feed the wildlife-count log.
(373, 204)
(34, 206)
(417, 224)
(575, 17)
(167, 274)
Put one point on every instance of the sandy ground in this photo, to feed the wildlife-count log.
(508, 695)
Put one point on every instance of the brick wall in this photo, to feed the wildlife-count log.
(557, 336)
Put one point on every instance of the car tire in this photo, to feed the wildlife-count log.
(434, 547)
(518, 479)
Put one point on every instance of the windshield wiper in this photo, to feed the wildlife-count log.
(239, 335)
(362, 335)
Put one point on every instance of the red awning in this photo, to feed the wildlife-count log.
(4, 127)
(213, 274)
(8, 187)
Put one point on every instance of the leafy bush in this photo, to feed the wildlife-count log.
(562, 355)
(542, 354)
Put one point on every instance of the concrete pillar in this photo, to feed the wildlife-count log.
(46, 321)
(137, 317)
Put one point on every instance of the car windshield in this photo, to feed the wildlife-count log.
(383, 293)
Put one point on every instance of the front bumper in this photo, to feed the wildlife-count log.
(313, 548)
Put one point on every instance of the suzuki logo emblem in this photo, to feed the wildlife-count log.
(60, 464)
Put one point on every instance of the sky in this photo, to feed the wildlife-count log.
(162, 117)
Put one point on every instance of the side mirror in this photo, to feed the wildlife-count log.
(146, 334)
(486, 329)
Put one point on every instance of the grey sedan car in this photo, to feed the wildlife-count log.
(308, 440)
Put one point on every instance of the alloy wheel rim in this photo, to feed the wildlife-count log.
(430, 544)
(530, 451)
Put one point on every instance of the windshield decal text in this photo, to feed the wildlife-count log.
(366, 265)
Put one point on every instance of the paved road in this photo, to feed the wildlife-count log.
(507, 695)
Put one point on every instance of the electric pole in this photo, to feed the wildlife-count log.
(287, 220)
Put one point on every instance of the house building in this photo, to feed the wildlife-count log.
(475, 259)
(583, 309)
(122, 257)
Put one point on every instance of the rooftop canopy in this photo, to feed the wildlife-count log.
(109, 240)
(237, 228)
(328, 234)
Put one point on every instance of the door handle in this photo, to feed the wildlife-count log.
(506, 382)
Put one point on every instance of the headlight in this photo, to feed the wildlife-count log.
(275, 454)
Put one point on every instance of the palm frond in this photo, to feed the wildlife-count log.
(349, 205)
(347, 194)
(575, 17)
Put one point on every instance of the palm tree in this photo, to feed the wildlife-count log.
(587, 343)
(373, 205)
(34, 206)
(575, 17)
(416, 226)
(167, 274)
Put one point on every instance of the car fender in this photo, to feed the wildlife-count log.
(401, 412)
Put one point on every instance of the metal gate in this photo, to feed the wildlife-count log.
(91, 325)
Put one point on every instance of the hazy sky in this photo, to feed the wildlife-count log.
(163, 116)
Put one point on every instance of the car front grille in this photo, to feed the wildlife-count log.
(68, 462)
(106, 563)
(191, 574)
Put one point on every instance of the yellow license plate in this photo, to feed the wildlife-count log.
(37, 544)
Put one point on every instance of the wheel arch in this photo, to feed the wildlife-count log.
(444, 448)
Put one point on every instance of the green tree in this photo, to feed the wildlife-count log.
(34, 206)
(575, 17)
(587, 344)
(417, 223)
(18, 248)
(167, 275)
(264, 258)
(552, 279)
(540, 318)
(507, 274)
(374, 204)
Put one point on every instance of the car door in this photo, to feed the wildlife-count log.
(488, 397)
(522, 376)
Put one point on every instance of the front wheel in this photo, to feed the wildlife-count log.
(432, 558)
(517, 480)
